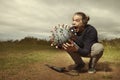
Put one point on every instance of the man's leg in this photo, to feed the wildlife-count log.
(79, 64)
(76, 58)
(96, 53)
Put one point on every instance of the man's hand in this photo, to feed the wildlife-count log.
(70, 47)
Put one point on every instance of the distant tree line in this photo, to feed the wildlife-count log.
(33, 40)
(112, 44)
(27, 41)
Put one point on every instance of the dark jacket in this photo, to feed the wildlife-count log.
(86, 39)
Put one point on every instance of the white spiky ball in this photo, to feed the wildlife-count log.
(61, 34)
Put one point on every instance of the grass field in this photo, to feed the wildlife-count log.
(26, 62)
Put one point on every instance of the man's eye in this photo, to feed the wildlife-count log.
(77, 20)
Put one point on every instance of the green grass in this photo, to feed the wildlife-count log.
(14, 58)
(111, 54)
(16, 55)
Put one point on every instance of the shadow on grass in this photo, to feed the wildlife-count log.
(104, 66)
(101, 66)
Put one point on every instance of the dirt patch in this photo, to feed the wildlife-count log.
(38, 71)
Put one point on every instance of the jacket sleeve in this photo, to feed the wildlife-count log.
(89, 38)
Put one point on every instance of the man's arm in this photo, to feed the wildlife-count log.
(89, 38)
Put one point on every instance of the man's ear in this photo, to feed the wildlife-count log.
(85, 20)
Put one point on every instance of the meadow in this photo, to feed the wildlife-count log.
(25, 59)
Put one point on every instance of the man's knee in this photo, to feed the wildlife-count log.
(97, 49)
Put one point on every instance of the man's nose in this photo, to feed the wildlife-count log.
(73, 23)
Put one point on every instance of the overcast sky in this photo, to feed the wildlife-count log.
(20, 18)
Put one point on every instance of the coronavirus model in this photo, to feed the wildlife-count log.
(61, 34)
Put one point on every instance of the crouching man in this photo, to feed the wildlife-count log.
(84, 44)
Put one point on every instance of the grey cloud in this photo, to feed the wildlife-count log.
(37, 17)
(111, 5)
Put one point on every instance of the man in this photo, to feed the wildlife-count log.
(84, 44)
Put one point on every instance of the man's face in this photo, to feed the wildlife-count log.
(77, 22)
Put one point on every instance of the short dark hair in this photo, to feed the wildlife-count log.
(85, 18)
